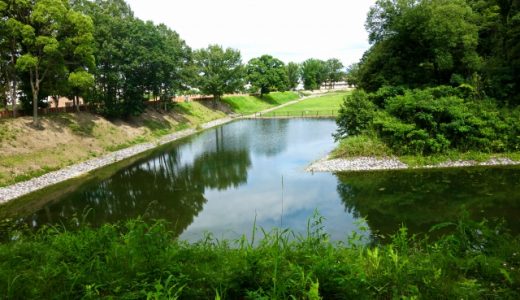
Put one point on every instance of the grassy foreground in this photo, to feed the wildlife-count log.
(247, 104)
(327, 104)
(137, 260)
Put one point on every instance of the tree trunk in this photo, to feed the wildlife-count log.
(35, 107)
(216, 99)
(14, 87)
(35, 87)
(77, 103)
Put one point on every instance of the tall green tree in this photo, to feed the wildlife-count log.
(13, 25)
(135, 60)
(267, 74)
(334, 68)
(314, 73)
(50, 30)
(219, 71)
(419, 43)
(293, 75)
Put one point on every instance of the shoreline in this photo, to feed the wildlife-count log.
(367, 163)
(23, 188)
(20, 189)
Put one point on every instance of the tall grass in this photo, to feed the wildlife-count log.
(136, 260)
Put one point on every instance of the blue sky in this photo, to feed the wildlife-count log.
(287, 29)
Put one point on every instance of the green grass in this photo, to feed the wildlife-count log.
(137, 261)
(362, 145)
(251, 104)
(452, 155)
(328, 104)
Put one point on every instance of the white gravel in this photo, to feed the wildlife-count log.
(390, 163)
(356, 164)
(32, 185)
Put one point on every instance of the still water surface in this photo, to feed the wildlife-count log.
(219, 181)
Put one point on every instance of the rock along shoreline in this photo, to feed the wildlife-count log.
(357, 164)
(26, 187)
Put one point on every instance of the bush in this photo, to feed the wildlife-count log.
(361, 145)
(355, 115)
(432, 120)
(384, 93)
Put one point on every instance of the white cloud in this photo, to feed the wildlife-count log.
(287, 29)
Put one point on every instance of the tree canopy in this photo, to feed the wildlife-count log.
(421, 43)
(219, 71)
(267, 74)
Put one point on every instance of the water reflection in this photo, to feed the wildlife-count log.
(159, 188)
(422, 199)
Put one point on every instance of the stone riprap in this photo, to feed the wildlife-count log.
(373, 164)
(356, 164)
(23, 188)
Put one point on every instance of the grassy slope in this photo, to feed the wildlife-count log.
(328, 103)
(70, 138)
(251, 104)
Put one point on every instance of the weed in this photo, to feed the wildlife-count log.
(137, 260)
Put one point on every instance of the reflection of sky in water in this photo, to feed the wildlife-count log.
(283, 149)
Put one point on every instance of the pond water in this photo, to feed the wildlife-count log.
(222, 180)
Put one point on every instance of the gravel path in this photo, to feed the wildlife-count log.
(32, 185)
(372, 164)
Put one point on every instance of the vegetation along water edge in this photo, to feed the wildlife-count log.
(474, 260)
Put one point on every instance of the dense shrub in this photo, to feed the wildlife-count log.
(434, 120)
(386, 92)
(138, 261)
(358, 113)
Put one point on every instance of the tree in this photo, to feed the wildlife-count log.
(50, 30)
(267, 74)
(293, 75)
(136, 61)
(419, 43)
(12, 28)
(314, 73)
(219, 71)
(352, 74)
(334, 69)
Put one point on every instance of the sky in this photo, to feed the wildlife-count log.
(290, 30)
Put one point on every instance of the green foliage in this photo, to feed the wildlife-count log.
(419, 43)
(361, 145)
(293, 75)
(424, 43)
(430, 121)
(219, 71)
(267, 74)
(334, 71)
(313, 73)
(355, 115)
(136, 260)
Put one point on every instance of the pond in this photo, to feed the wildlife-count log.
(225, 179)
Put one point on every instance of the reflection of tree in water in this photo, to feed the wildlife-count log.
(160, 188)
(421, 199)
